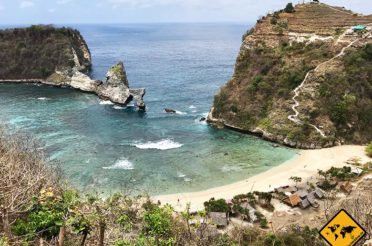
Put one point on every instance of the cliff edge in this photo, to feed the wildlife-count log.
(60, 57)
(302, 78)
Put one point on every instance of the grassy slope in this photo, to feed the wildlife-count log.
(259, 94)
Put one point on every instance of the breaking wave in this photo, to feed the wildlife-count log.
(161, 145)
(121, 164)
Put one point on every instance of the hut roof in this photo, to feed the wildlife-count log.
(302, 194)
(293, 200)
(305, 203)
(359, 27)
(218, 218)
(357, 171)
(319, 193)
(346, 187)
(286, 188)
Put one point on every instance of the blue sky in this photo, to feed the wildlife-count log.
(143, 11)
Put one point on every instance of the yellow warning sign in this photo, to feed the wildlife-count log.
(342, 230)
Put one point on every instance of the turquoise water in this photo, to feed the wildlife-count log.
(106, 148)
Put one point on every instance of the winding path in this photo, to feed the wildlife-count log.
(294, 117)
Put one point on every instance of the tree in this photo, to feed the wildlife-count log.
(296, 180)
(289, 8)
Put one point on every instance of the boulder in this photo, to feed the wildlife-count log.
(170, 111)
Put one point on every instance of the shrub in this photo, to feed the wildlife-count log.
(216, 205)
(158, 222)
(369, 150)
(289, 8)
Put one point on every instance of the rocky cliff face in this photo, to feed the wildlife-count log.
(302, 79)
(60, 57)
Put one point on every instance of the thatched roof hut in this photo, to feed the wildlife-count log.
(293, 200)
(219, 219)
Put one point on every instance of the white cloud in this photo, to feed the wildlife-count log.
(26, 4)
(51, 10)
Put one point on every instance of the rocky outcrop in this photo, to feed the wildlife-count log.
(60, 57)
(302, 79)
(114, 89)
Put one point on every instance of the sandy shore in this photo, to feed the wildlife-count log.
(305, 165)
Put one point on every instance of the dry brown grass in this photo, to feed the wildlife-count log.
(23, 174)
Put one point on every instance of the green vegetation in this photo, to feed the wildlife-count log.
(369, 149)
(289, 8)
(261, 90)
(35, 52)
(214, 205)
(296, 180)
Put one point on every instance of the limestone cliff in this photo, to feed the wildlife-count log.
(60, 57)
(302, 78)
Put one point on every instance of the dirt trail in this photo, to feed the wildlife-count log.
(294, 118)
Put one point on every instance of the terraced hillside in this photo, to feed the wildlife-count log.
(302, 79)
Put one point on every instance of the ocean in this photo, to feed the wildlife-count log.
(105, 148)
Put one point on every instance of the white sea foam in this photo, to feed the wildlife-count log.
(105, 103)
(118, 107)
(181, 175)
(121, 164)
(187, 179)
(226, 169)
(43, 98)
(192, 107)
(180, 113)
(163, 144)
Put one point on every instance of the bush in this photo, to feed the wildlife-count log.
(216, 205)
(369, 150)
(289, 8)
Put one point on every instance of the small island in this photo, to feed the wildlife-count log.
(60, 57)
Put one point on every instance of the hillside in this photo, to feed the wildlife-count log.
(302, 78)
(36, 52)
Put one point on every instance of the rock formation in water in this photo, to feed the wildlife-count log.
(60, 57)
(303, 79)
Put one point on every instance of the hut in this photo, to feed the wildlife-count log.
(302, 194)
(293, 200)
(359, 28)
(284, 189)
(346, 187)
(305, 203)
(219, 219)
(317, 193)
(356, 171)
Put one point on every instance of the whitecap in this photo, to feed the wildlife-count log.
(192, 107)
(118, 107)
(187, 179)
(106, 103)
(121, 164)
(42, 98)
(194, 111)
(181, 175)
(163, 144)
(180, 113)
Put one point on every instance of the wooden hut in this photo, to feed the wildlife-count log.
(293, 200)
(219, 219)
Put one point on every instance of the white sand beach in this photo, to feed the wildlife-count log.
(305, 165)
